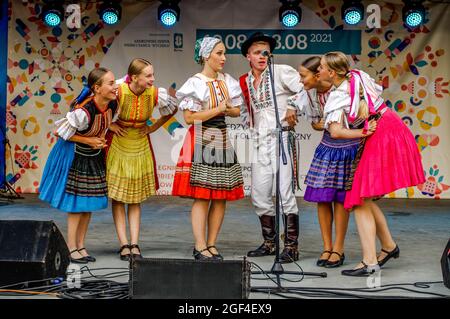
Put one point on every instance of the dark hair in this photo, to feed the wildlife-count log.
(312, 64)
(95, 77)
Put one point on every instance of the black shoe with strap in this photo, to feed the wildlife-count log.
(88, 257)
(217, 256)
(337, 263)
(199, 256)
(393, 253)
(77, 261)
(125, 257)
(133, 255)
(322, 262)
(364, 271)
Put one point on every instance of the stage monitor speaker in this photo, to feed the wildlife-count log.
(31, 250)
(189, 279)
(445, 264)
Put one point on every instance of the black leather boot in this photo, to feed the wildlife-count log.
(290, 251)
(268, 231)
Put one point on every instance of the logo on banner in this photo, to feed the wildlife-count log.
(178, 41)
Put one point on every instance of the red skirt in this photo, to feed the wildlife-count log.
(182, 180)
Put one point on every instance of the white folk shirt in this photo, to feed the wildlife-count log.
(287, 83)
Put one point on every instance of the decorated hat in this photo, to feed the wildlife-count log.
(257, 37)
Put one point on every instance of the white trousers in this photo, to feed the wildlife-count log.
(264, 177)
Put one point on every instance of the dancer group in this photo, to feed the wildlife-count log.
(104, 151)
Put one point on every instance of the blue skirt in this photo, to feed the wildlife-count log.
(54, 179)
(329, 169)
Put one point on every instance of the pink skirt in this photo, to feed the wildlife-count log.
(391, 160)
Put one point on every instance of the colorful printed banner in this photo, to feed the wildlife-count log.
(47, 68)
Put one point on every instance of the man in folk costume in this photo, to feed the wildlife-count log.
(260, 116)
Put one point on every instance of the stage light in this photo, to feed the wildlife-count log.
(169, 12)
(52, 12)
(352, 12)
(413, 13)
(110, 12)
(290, 13)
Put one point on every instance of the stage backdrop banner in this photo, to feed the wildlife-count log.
(3, 72)
(47, 67)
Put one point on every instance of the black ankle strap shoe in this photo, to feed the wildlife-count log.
(364, 271)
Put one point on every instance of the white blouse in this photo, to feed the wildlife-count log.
(194, 95)
(307, 102)
(339, 106)
(167, 104)
(76, 120)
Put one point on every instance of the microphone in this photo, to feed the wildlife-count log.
(266, 53)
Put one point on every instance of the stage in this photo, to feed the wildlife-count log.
(420, 227)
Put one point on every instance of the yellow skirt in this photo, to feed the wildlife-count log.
(130, 169)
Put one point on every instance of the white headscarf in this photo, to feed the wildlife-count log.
(204, 47)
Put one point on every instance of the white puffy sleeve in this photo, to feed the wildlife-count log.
(122, 79)
(76, 120)
(290, 80)
(338, 104)
(304, 102)
(166, 103)
(192, 94)
(234, 90)
(373, 89)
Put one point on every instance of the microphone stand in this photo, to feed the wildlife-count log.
(277, 268)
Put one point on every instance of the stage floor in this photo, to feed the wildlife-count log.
(420, 227)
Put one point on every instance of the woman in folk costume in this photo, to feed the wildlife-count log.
(330, 166)
(207, 169)
(130, 165)
(74, 177)
(387, 160)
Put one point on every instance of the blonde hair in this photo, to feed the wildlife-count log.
(137, 65)
(258, 42)
(363, 109)
(338, 62)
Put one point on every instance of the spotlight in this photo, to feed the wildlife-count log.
(169, 12)
(52, 12)
(290, 13)
(413, 13)
(110, 12)
(352, 11)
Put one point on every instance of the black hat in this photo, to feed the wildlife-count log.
(256, 37)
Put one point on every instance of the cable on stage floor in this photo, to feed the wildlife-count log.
(100, 286)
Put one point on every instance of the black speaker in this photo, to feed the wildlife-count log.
(445, 264)
(189, 279)
(31, 250)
